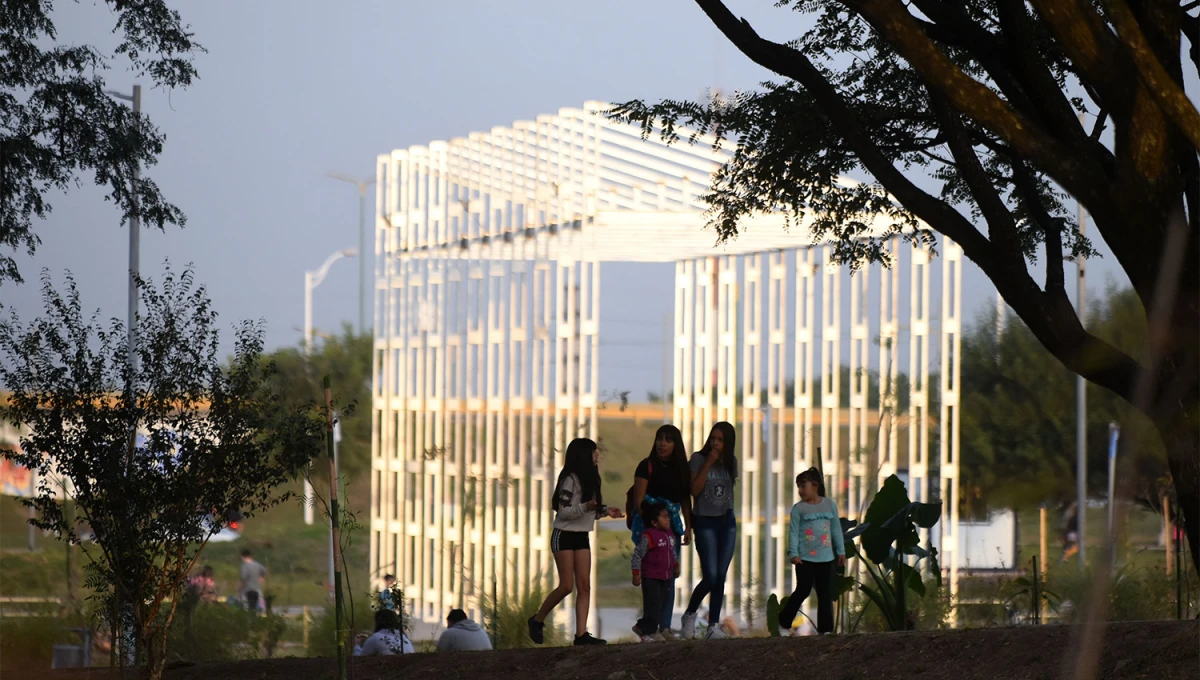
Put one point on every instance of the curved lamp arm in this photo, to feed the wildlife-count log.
(316, 277)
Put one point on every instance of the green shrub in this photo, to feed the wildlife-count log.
(27, 644)
(321, 641)
(1133, 594)
(216, 632)
(507, 620)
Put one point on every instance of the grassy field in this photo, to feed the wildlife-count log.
(297, 554)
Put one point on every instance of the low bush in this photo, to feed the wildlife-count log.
(507, 620)
(217, 632)
(27, 644)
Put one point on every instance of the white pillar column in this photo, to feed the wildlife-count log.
(948, 441)
(831, 374)
(889, 328)
(860, 388)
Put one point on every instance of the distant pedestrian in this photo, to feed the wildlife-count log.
(655, 566)
(388, 638)
(202, 586)
(250, 586)
(462, 634)
(577, 504)
(714, 472)
(815, 544)
(1070, 532)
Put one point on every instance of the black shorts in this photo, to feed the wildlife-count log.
(561, 541)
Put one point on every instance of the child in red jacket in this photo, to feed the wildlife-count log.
(654, 565)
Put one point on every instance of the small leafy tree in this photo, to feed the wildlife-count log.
(888, 538)
(211, 437)
(58, 125)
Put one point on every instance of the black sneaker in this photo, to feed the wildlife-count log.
(587, 639)
(535, 630)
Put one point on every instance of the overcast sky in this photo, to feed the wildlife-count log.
(291, 89)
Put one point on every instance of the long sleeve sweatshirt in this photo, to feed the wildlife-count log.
(573, 514)
(815, 533)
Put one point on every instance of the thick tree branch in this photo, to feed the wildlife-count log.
(1093, 49)
(1002, 229)
(1167, 93)
(981, 104)
(1026, 183)
(793, 64)
(1013, 62)
(1055, 325)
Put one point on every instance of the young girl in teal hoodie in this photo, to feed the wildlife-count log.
(815, 544)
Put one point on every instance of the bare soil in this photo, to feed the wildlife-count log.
(1165, 650)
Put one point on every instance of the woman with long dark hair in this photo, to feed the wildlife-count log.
(714, 470)
(577, 504)
(663, 477)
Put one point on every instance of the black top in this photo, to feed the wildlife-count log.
(665, 479)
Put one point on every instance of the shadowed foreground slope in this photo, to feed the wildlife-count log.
(1158, 650)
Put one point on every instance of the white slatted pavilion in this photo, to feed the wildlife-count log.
(488, 252)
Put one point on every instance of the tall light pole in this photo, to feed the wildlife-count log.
(1081, 397)
(312, 279)
(134, 232)
(362, 185)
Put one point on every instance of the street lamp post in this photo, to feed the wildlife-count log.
(312, 279)
(1081, 395)
(134, 232)
(362, 185)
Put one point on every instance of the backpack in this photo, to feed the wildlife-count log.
(629, 496)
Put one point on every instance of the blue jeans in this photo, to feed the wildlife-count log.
(715, 540)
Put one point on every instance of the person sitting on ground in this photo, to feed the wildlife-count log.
(462, 634)
(388, 638)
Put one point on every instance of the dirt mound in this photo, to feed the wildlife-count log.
(1157, 650)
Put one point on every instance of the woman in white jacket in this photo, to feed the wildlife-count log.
(577, 504)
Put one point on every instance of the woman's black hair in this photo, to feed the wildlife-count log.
(651, 511)
(813, 475)
(678, 456)
(578, 461)
(728, 457)
(386, 619)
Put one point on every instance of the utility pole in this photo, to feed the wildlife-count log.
(1081, 396)
(312, 279)
(362, 185)
(134, 232)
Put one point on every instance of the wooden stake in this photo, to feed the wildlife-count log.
(1045, 555)
(337, 538)
(1169, 536)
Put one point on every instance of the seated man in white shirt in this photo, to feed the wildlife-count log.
(388, 638)
(463, 634)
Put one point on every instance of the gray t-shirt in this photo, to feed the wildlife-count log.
(252, 575)
(717, 497)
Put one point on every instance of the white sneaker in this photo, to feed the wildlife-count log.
(668, 635)
(715, 633)
(687, 624)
